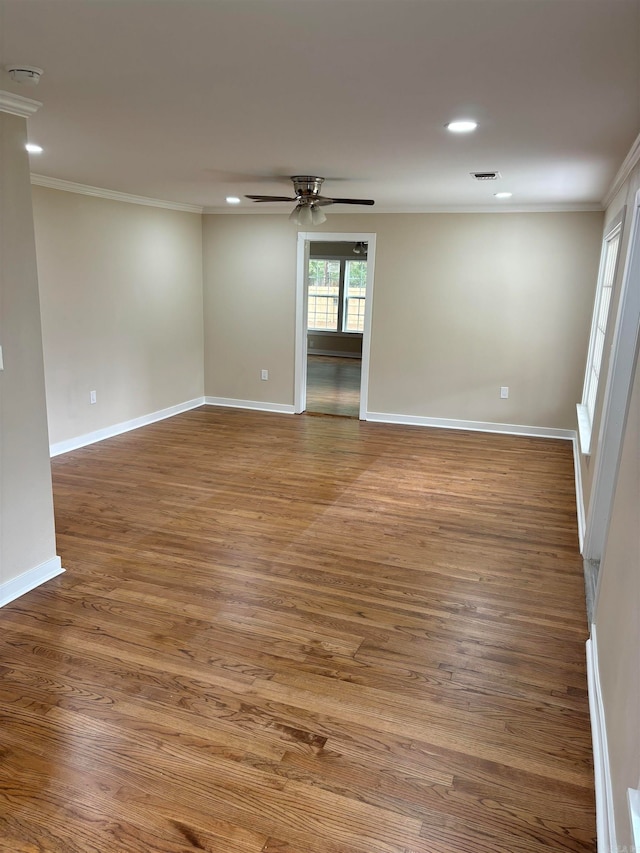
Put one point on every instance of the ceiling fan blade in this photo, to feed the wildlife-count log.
(271, 198)
(353, 201)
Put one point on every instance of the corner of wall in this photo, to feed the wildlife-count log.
(14, 588)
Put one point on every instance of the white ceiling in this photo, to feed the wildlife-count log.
(194, 100)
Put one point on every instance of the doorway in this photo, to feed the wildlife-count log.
(333, 328)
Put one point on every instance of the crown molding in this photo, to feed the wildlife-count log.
(17, 105)
(111, 195)
(484, 208)
(630, 162)
(114, 195)
(497, 207)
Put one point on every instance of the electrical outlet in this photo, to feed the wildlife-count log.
(93, 397)
(504, 392)
(264, 374)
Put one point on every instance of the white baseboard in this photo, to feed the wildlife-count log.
(474, 426)
(10, 590)
(230, 403)
(577, 467)
(605, 821)
(125, 426)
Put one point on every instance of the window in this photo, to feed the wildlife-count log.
(606, 278)
(355, 286)
(337, 291)
(324, 294)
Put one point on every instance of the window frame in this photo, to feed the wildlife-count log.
(345, 297)
(340, 291)
(585, 416)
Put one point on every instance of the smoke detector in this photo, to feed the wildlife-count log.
(29, 75)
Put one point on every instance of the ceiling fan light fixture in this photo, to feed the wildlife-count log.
(305, 217)
(317, 215)
(301, 215)
(306, 214)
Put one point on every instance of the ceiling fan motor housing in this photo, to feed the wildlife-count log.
(306, 186)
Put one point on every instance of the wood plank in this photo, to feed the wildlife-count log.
(283, 633)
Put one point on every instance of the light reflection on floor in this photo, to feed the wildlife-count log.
(333, 385)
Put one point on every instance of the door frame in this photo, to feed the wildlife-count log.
(624, 352)
(300, 371)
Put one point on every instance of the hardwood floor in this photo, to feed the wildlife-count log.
(292, 634)
(333, 385)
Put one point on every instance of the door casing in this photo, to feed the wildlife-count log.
(300, 371)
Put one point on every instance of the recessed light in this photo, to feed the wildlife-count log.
(462, 126)
(32, 148)
(232, 199)
(503, 195)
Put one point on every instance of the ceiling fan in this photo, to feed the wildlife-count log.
(308, 200)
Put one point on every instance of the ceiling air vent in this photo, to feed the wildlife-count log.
(485, 176)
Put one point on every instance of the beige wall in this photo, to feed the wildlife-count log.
(617, 622)
(121, 295)
(463, 304)
(249, 307)
(617, 616)
(27, 538)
